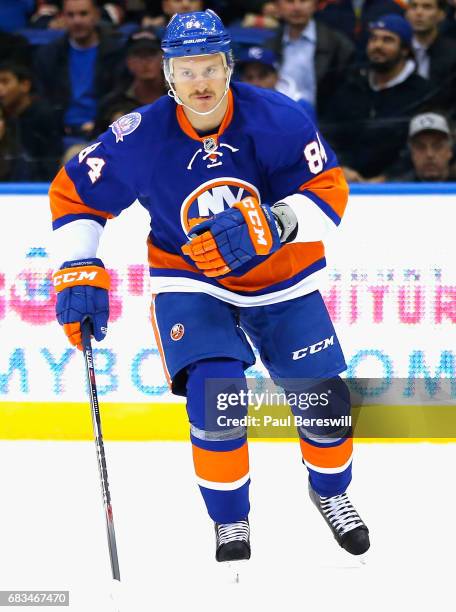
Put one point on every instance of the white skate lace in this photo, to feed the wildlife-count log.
(227, 532)
(340, 512)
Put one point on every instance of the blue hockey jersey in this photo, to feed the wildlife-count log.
(266, 147)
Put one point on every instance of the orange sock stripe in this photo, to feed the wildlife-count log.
(221, 466)
(159, 342)
(327, 457)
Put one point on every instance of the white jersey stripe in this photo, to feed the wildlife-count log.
(167, 284)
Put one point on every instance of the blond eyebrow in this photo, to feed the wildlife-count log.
(213, 65)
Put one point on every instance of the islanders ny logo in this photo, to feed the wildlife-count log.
(177, 332)
(214, 197)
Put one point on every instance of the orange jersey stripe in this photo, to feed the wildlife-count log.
(285, 263)
(162, 259)
(327, 457)
(65, 199)
(221, 466)
(331, 187)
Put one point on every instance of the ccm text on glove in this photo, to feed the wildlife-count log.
(233, 237)
(82, 291)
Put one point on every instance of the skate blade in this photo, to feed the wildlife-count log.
(364, 558)
(115, 596)
(232, 570)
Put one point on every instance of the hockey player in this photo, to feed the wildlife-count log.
(241, 189)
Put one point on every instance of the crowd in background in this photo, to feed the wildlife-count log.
(377, 76)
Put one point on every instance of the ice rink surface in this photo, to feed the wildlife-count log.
(52, 530)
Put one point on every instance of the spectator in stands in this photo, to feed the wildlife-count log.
(268, 18)
(236, 10)
(15, 48)
(435, 55)
(71, 152)
(114, 12)
(12, 166)
(144, 82)
(311, 54)
(248, 13)
(32, 122)
(352, 18)
(113, 112)
(260, 67)
(14, 14)
(369, 115)
(168, 9)
(76, 71)
(448, 27)
(431, 149)
(49, 14)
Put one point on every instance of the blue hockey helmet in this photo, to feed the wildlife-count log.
(197, 33)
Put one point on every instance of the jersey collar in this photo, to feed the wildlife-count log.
(188, 129)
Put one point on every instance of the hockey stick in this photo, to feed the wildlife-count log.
(86, 328)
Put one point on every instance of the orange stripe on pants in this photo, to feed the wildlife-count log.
(153, 319)
(327, 457)
(221, 466)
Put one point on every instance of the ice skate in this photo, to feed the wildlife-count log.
(345, 523)
(232, 541)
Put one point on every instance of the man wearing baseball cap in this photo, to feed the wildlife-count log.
(371, 111)
(143, 82)
(259, 66)
(431, 149)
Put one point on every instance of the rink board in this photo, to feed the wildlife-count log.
(168, 422)
(390, 289)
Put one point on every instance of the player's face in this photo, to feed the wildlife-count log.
(424, 15)
(431, 154)
(12, 90)
(170, 7)
(259, 75)
(200, 81)
(296, 12)
(145, 66)
(81, 18)
(384, 50)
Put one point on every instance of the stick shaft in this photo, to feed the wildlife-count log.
(101, 458)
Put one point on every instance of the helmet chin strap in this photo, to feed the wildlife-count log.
(173, 94)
